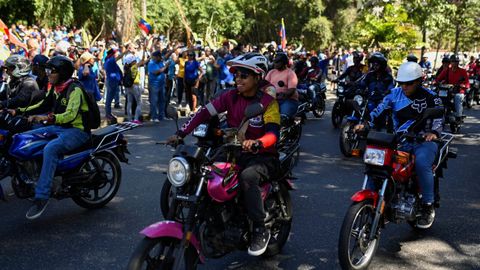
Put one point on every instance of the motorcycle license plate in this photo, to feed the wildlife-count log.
(442, 93)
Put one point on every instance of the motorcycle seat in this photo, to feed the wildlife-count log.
(95, 139)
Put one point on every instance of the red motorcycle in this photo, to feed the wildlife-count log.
(396, 196)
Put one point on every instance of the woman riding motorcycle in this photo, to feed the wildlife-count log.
(408, 102)
(262, 133)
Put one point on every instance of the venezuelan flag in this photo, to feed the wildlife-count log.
(145, 26)
(283, 35)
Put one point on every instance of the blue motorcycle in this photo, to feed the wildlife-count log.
(90, 175)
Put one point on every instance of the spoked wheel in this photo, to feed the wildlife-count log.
(355, 249)
(105, 183)
(281, 227)
(159, 254)
(337, 116)
(347, 141)
(319, 107)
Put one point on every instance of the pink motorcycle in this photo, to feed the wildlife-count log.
(206, 217)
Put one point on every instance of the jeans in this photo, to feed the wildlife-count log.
(458, 99)
(180, 88)
(68, 139)
(113, 90)
(156, 95)
(425, 154)
(134, 94)
(288, 107)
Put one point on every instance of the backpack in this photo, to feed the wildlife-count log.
(92, 118)
(127, 77)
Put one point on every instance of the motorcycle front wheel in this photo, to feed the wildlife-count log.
(355, 249)
(337, 116)
(159, 253)
(469, 100)
(105, 183)
(319, 107)
(346, 142)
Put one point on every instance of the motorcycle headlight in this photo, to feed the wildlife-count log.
(178, 171)
(201, 131)
(340, 89)
(358, 99)
(374, 156)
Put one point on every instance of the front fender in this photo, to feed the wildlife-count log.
(364, 195)
(172, 229)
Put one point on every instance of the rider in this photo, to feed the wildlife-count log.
(38, 69)
(285, 82)
(356, 71)
(66, 119)
(23, 87)
(412, 58)
(262, 130)
(408, 102)
(445, 66)
(425, 64)
(459, 77)
(378, 83)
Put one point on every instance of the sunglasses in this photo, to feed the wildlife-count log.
(406, 83)
(242, 75)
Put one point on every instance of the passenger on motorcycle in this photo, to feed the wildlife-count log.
(471, 66)
(354, 72)
(262, 130)
(285, 82)
(456, 76)
(445, 66)
(23, 89)
(378, 82)
(408, 102)
(38, 69)
(66, 121)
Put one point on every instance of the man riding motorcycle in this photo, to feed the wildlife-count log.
(445, 66)
(459, 77)
(23, 89)
(261, 133)
(67, 122)
(285, 82)
(354, 72)
(408, 102)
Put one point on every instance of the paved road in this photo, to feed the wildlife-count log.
(69, 237)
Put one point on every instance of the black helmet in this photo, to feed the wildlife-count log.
(282, 58)
(379, 58)
(62, 65)
(412, 58)
(454, 58)
(446, 59)
(357, 56)
(314, 59)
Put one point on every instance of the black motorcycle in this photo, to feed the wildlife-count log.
(342, 107)
(447, 93)
(312, 96)
(473, 94)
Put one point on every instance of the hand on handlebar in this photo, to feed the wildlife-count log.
(12, 112)
(251, 145)
(173, 140)
(37, 118)
(430, 137)
(358, 127)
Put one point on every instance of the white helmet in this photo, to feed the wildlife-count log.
(409, 71)
(252, 61)
(21, 65)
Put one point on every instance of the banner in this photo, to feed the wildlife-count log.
(145, 26)
(12, 38)
(283, 35)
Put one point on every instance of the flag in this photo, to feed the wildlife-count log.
(283, 35)
(145, 26)
(11, 37)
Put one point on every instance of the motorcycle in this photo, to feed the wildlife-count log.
(89, 175)
(447, 93)
(473, 94)
(395, 197)
(341, 108)
(206, 217)
(312, 96)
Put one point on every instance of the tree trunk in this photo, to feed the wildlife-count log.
(124, 21)
(144, 9)
(457, 36)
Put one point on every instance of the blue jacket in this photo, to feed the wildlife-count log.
(377, 87)
(112, 70)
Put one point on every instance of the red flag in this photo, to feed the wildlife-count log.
(13, 39)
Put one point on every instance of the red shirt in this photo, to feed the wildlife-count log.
(459, 76)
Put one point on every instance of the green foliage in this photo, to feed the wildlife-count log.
(54, 12)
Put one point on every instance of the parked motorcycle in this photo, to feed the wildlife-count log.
(90, 175)
(206, 217)
(447, 93)
(312, 96)
(395, 197)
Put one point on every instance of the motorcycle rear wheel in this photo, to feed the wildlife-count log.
(319, 108)
(346, 144)
(158, 253)
(355, 250)
(281, 228)
(109, 179)
(337, 116)
(454, 127)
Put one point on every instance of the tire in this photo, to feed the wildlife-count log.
(111, 179)
(337, 116)
(165, 248)
(165, 196)
(281, 228)
(346, 145)
(469, 100)
(319, 108)
(355, 227)
(454, 127)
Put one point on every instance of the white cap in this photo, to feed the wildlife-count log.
(130, 59)
(409, 71)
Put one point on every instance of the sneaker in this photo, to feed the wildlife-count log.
(427, 217)
(138, 122)
(37, 208)
(156, 120)
(118, 106)
(259, 241)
